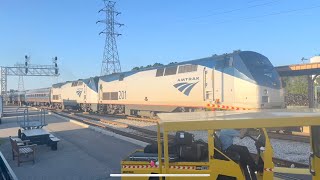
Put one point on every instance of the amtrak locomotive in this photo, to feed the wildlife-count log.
(243, 79)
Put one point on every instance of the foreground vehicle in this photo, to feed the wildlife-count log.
(215, 163)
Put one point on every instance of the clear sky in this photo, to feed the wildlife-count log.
(155, 31)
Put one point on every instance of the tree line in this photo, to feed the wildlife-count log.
(150, 66)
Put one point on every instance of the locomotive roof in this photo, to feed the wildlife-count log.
(214, 57)
(38, 90)
(236, 119)
(58, 85)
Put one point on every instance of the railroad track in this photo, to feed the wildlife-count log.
(272, 135)
(120, 117)
(149, 136)
(135, 133)
(290, 137)
(118, 123)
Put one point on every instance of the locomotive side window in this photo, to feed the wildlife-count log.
(171, 70)
(159, 72)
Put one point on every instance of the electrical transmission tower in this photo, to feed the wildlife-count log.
(21, 82)
(27, 69)
(110, 62)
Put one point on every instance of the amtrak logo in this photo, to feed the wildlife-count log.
(79, 92)
(185, 88)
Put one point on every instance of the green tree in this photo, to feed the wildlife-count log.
(148, 66)
(296, 85)
(135, 69)
(157, 65)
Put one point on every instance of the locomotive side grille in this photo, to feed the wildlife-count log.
(159, 72)
(187, 68)
(170, 71)
(110, 96)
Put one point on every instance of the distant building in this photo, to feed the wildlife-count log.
(315, 59)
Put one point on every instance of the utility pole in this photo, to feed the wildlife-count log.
(110, 61)
(27, 69)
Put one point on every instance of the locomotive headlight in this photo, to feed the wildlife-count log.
(265, 91)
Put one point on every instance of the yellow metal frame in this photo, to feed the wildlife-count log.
(213, 166)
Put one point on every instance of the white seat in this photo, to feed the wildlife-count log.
(54, 139)
(25, 150)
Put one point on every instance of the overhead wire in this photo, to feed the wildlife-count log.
(237, 9)
(271, 14)
(253, 1)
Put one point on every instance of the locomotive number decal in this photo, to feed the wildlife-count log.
(122, 95)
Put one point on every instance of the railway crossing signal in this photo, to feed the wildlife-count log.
(27, 69)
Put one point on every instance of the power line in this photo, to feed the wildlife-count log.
(270, 14)
(253, 1)
(237, 9)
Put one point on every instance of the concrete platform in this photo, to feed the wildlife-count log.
(82, 153)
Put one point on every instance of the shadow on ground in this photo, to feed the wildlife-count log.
(82, 153)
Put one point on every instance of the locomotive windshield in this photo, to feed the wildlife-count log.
(261, 69)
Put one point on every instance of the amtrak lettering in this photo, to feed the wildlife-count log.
(184, 86)
(188, 79)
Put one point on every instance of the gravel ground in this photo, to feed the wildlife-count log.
(146, 125)
(288, 150)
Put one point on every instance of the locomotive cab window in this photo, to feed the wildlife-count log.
(170, 70)
(220, 64)
(159, 72)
